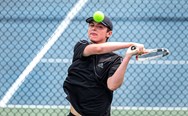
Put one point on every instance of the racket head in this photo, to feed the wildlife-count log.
(153, 54)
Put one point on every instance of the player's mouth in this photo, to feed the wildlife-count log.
(93, 34)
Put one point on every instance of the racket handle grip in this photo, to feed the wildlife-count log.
(133, 47)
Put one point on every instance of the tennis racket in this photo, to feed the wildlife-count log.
(151, 53)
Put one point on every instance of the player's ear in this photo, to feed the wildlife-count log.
(108, 34)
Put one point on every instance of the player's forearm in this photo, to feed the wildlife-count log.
(113, 46)
(117, 78)
(106, 47)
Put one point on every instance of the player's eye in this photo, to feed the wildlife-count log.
(99, 27)
(91, 25)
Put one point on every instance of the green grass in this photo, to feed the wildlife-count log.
(149, 113)
(32, 112)
(64, 112)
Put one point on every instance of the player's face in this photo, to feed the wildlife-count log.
(98, 33)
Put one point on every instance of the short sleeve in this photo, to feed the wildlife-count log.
(115, 66)
(79, 48)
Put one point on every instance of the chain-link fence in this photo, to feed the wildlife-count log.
(36, 47)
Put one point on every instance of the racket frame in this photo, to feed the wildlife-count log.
(143, 57)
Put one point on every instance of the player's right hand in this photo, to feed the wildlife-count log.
(140, 48)
(132, 50)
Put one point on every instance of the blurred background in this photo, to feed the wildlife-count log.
(33, 87)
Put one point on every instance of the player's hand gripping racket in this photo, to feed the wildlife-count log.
(150, 54)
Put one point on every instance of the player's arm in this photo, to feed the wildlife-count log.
(116, 80)
(109, 47)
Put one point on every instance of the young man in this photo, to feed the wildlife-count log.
(96, 71)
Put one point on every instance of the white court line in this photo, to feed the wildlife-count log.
(60, 29)
(113, 107)
(67, 60)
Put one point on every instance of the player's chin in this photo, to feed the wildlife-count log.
(93, 39)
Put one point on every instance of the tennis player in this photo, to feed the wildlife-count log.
(96, 71)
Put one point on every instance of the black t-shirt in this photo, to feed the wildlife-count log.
(86, 83)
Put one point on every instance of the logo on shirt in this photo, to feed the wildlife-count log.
(100, 65)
